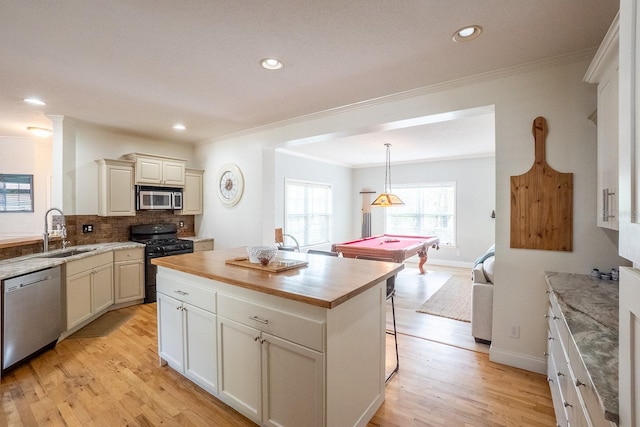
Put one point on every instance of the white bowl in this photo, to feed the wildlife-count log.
(258, 253)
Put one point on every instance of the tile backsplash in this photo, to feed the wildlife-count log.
(105, 229)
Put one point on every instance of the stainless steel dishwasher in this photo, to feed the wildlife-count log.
(31, 320)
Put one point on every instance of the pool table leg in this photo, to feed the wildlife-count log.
(423, 258)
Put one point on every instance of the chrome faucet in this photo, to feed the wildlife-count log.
(45, 235)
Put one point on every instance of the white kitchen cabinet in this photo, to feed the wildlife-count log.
(192, 193)
(273, 381)
(89, 287)
(187, 334)
(128, 274)
(282, 362)
(151, 169)
(604, 71)
(116, 194)
(573, 393)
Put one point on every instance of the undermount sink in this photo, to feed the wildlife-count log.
(67, 253)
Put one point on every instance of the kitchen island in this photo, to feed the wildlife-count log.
(304, 346)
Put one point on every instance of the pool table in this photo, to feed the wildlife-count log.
(393, 247)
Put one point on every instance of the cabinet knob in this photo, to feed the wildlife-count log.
(546, 316)
(551, 338)
(560, 374)
(547, 292)
(579, 383)
(567, 404)
(545, 354)
(549, 380)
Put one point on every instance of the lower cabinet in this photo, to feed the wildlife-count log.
(89, 287)
(574, 396)
(128, 275)
(187, 338)
(272, 381)
(268, 357)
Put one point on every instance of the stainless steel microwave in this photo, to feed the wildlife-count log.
(158, 198)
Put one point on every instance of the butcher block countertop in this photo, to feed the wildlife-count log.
(324, 282)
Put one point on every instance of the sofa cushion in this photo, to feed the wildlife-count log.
(487, 267)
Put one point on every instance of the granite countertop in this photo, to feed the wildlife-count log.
(590, 308)
(26, 264)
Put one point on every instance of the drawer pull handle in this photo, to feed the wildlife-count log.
(560, 374)
(549, 380)
(555, 317)
(183, 293)
(257, 319)
(551, 338)
(547, 292)
(546, 316)
(567, 404)
(545, 354)
(579, 383)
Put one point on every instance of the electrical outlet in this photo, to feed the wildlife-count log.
(181, 224)
(514, 331)
(87, 228)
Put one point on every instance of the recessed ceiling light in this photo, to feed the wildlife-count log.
(34, 101)
(467, 33)
(271, 63)
(40, 132)
(179, 126)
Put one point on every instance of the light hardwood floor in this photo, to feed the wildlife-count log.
(116, 381)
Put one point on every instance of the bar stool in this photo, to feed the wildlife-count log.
(391, 291)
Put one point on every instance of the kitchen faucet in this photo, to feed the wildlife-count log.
(45, 235)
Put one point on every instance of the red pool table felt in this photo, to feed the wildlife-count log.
(387, 246)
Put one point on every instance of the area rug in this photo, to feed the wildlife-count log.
(452, 300)
(104, 325)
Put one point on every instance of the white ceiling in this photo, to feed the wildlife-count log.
(139, 66)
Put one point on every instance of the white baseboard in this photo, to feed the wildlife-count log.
(444, 263)
(517, 360)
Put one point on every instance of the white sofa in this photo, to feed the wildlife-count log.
(482, 297)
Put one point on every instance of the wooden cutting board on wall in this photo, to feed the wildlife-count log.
(542, 202)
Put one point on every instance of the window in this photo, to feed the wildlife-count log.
(429, 210)
(308, 212)
(16, 193)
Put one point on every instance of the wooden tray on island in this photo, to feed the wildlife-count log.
(275, 266)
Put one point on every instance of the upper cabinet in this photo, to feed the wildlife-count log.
(604, 71)
(192, 194)
(115, 188)
(158, 170)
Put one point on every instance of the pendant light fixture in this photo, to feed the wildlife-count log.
(387, 198)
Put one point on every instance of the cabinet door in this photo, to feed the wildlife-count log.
(608, 149)
(629, 116)
(78, 298)
(192, 195)
(173, 173)
(129, 281)
(200, 363)
(292, 384)
(170, 331)
(148, 171)
(120, 191)
(102, 288)
(239, 372)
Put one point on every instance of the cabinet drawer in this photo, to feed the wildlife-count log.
(585, 387)
(128, 254)
(191, 293)
(84, 264)
(294, 328)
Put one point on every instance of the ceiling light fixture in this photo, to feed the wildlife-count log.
(34, 101)
(467, 33)
(271, 64)
(40, 132)
(179, 126)
(387, 198)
